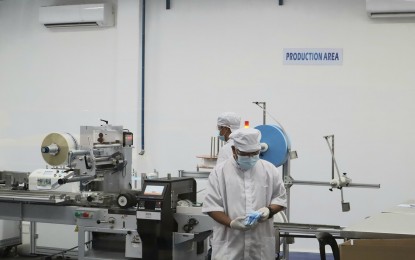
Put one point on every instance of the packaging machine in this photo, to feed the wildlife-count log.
(85, 181)
(89, 185)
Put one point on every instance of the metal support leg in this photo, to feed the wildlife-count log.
(81, 242)
(277, 243)
(33, 237)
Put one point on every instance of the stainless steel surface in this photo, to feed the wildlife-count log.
(197, 174)
(326, 183)
(106, 145)
(38, 212)
(123, 224)
(46, 197)
(133, 245)
(184, 245)
(363, 185)
(301, 228)
(315, 183)
(408, 207)
(383, 225)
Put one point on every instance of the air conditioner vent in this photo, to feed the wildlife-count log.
(390, 8)
(85, 24)
(77, 15)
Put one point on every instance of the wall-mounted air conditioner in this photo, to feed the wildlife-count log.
(390, 8)
(77, 15)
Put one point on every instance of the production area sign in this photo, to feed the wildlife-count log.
(307, 56)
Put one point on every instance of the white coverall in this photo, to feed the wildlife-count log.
(225, 152)
(237, 193)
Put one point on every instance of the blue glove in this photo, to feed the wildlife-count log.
(252, 218)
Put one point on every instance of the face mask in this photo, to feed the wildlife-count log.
(247, 162)
(221, 137)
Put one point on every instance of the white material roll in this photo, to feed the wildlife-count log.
(65, 143)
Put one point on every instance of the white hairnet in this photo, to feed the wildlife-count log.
(229, 119)
(246, 139)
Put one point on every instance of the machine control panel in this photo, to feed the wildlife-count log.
(151, 203)
(155, 205)
(84, 214)
(149, 209)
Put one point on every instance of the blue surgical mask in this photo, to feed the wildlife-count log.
(221, 137)
(247, 162)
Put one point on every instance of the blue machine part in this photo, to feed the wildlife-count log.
(278, 144)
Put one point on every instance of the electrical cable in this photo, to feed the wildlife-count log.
(66, 250)
(273, 118)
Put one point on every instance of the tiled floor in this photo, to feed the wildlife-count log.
(308, 256)
(14, 256)
(23, 250)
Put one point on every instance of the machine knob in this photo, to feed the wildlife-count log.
(193, 222)
(62, 181)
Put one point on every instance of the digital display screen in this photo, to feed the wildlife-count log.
(154, 190)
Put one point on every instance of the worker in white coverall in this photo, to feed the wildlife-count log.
(227, 122)
(237, 187)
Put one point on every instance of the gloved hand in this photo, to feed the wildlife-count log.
(252, 218)
(239, 224)
(264, 214)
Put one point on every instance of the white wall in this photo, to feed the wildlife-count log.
(54, 80)
(207, 57)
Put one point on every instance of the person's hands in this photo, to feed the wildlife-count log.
(264, 214)
(239, 224)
